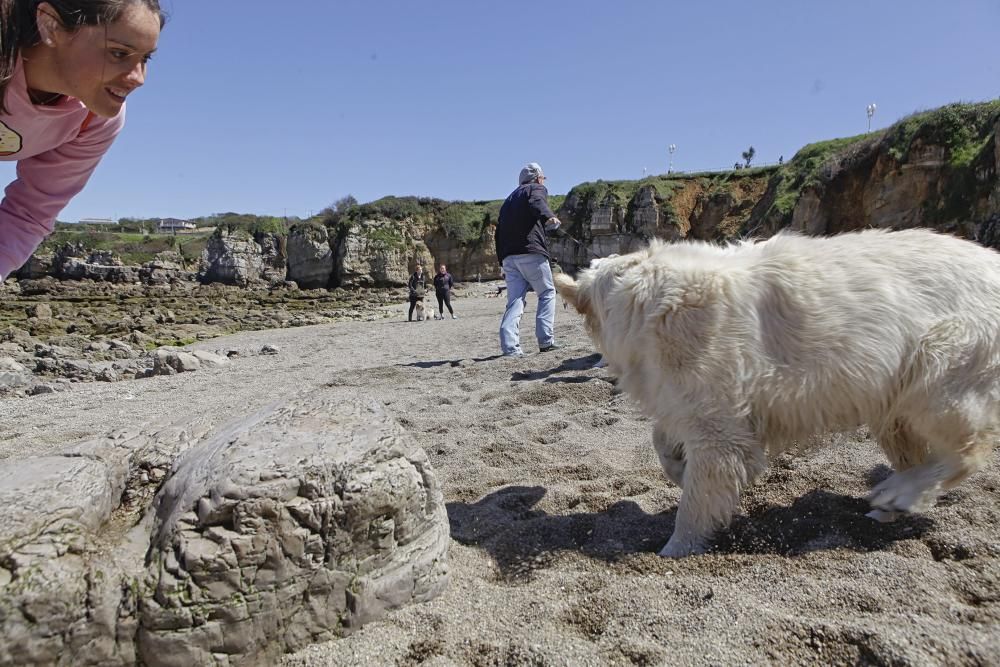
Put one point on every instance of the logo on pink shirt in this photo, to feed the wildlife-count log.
(10, 141)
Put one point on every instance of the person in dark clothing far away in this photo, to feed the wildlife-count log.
(442, 290)
(524, 219)
(418, 286)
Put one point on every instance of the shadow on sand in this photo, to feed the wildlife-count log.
(574, 364)
(454, 363)
(522, 539)
(577, 364)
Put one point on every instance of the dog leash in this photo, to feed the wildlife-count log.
(565, 235)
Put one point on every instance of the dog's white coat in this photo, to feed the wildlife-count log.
(422, 313)
(742, 350)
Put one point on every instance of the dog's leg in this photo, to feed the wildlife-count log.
(720, 464)
(951, 419)
(671, 455)
(904, 449)
(902, 446)
(952, 453)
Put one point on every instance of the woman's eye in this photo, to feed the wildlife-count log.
(118, 54)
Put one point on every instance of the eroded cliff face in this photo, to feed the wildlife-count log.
(883, 180)
(704, 207)
(383, 253)
(942, 173)
(310, 256)
(926, 189)
(241, 259)
(466, 261)
(938, 169)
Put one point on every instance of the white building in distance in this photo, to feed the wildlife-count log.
(174, 225)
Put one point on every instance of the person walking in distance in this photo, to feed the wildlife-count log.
(66, 67)
(523, 254)
(443, 283)
(418, 287)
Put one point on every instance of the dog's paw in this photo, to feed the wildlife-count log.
(677, 547)
(913, 490)
(882, 516)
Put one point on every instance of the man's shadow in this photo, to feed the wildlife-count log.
(522, 539)
(573, 364)
(577, 364)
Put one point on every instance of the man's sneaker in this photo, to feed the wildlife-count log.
(549, 348)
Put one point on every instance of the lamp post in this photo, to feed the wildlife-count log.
(870, 110)
(644, 172)
(671, 148)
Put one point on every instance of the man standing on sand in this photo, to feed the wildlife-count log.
(524, 257)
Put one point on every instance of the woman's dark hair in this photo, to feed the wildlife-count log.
(18, 29)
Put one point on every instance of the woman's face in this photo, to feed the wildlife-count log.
(101, 65)
(442, 269)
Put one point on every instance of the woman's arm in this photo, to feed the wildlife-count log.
(45, 183)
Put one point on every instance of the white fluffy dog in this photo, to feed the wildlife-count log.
(422, 313)
(740, 351)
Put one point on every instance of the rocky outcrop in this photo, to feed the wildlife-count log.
(165, 269)
(232, 259)
(79, 269)
(373, 253)
(466, 261)
(296, 524)
(78, 331)
(38, 266)
(61, 593)
(937, 169)
(274, 254)
(75, 263)
(310, 256)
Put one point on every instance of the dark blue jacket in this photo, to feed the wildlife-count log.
(443, 282)
(521, 226)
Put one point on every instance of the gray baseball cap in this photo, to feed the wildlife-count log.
(529, 173)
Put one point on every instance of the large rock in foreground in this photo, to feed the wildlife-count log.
(294, 525)
(297, 525)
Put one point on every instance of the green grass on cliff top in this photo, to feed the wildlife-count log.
(963, 129)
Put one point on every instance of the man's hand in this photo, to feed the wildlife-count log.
(552, 224)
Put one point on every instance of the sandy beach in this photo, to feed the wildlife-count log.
(557, 508)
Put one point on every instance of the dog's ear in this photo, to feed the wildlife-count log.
(570, 290)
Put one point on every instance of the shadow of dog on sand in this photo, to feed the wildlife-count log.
(523, 540)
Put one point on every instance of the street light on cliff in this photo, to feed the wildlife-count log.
(671, 148)
(870, 110)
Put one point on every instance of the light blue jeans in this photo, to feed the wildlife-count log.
(520, 272)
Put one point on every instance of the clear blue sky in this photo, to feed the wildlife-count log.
(285, 106)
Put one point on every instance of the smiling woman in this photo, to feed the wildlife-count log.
(66, 67)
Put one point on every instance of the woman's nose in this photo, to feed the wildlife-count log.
(137, 75)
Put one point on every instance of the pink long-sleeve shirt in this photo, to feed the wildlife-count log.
(57, 148)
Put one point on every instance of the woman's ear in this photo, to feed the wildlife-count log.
(50, 28)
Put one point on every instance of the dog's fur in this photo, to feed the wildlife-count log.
(422, 312)
(740, 351)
